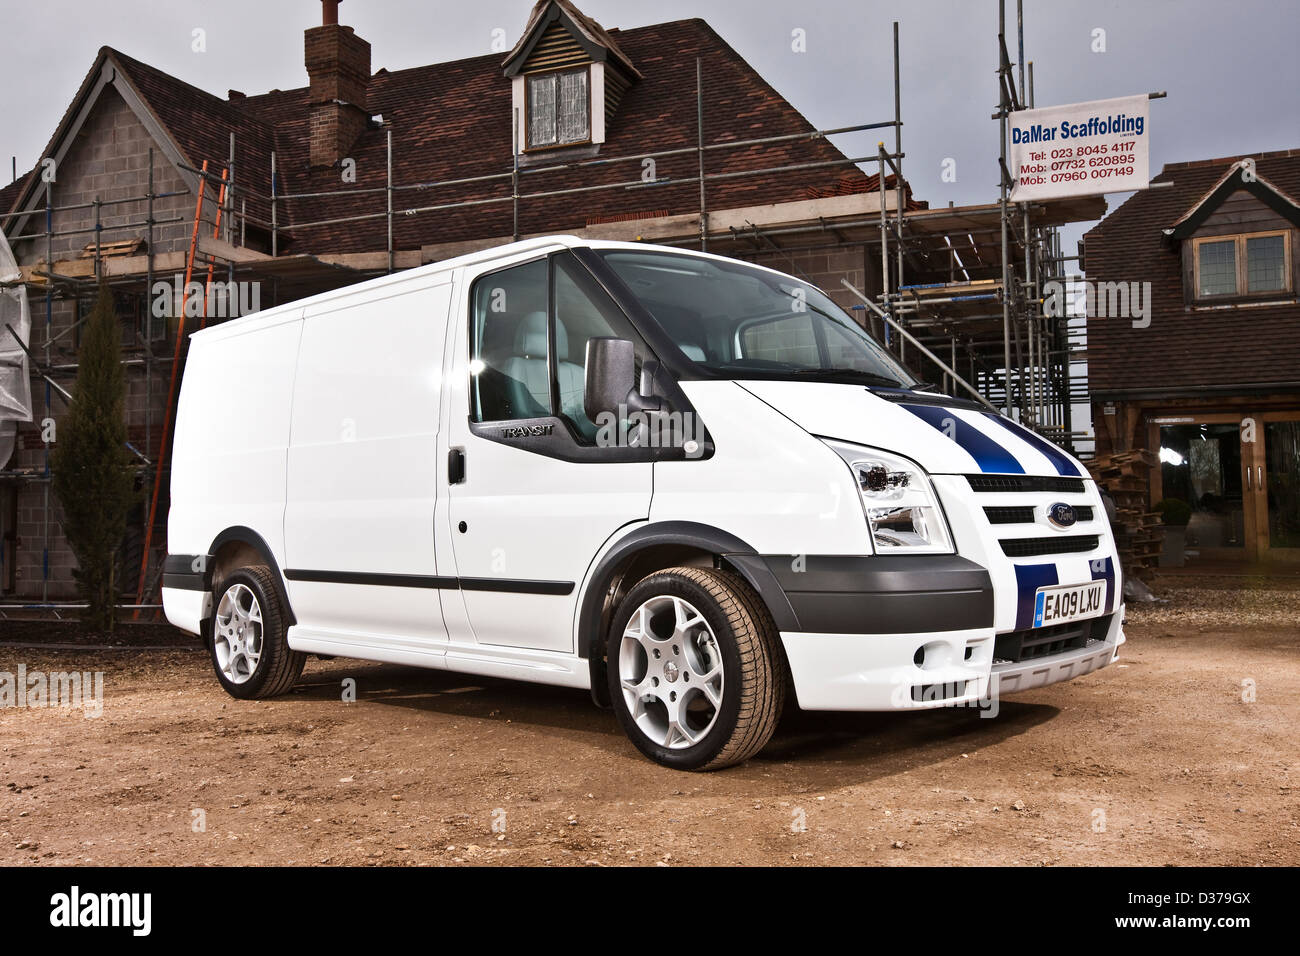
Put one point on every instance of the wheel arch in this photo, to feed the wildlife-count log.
(650, 548)
(239, 546)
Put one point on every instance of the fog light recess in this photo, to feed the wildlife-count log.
(933, 655)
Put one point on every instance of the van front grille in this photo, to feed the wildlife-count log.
(1032, 547)
(1024, 483)
(1036, 642)
(1016, 515)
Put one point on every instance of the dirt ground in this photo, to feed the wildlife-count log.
(1182, 753)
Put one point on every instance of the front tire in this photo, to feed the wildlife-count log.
(250, 651)
(695, 673)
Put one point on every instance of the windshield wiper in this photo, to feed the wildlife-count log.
(870, 378)
(782, 370)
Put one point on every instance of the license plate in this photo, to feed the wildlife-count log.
(1057, 605)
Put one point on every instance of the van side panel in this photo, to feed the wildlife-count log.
(229, 451)
(364, 471)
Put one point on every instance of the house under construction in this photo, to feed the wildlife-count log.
(193, 207)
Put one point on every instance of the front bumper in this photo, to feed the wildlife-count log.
(925, 670)
(922, 631)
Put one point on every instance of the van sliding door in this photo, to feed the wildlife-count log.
(362, 474)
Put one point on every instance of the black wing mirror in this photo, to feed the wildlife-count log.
(611, 379)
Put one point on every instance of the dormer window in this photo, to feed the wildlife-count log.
(1229, 266)
(567, 78)
(559, 108)
(1225, 267)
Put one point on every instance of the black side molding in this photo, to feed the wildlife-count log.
(516, 586)
(364, 577)
(436, 582)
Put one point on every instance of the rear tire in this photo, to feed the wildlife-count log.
(250, 651)
(696, 675)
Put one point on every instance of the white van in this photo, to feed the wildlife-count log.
(692, 485)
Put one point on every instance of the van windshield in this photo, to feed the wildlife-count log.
(739, 321)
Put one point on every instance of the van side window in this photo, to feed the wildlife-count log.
(513, 373)
(508, 354)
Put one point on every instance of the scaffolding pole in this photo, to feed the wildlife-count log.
(1003, 110)
(699, 120)
(388, 192)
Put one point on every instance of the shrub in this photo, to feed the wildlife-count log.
(1175, 512)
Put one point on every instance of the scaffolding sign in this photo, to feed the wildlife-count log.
(1083, 149)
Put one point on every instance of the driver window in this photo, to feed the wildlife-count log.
(512, 370)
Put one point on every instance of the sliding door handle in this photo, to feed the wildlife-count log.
(455, 466)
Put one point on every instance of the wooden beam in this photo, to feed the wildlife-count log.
(687, 225)
(220, 249)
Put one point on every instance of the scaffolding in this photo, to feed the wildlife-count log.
(985, 316)
(949, 299)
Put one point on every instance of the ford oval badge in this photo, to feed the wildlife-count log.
(1061, 514)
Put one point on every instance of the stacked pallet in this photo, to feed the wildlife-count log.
(1139, 534)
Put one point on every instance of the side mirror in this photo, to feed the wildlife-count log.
(611, 379)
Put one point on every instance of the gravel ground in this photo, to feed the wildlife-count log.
(1182, 753)
(1221, 602)
(70, 633)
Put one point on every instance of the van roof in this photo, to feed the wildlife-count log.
(270, 317)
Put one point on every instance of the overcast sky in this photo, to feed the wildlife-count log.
(1230, 68)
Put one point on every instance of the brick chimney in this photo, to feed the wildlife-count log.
(338, 66)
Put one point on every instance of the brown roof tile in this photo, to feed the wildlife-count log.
(9, 194)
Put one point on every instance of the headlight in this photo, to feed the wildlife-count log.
(899, 502)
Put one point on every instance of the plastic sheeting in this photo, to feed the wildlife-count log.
(15, 381)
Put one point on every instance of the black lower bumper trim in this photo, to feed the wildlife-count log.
(186, 572)
(884, 594)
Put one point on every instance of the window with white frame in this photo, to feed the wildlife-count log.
(1256, 264)
(559, 109)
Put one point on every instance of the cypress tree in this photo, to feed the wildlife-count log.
(92, 474)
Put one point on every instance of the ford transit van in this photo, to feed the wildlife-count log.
(694, 486)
